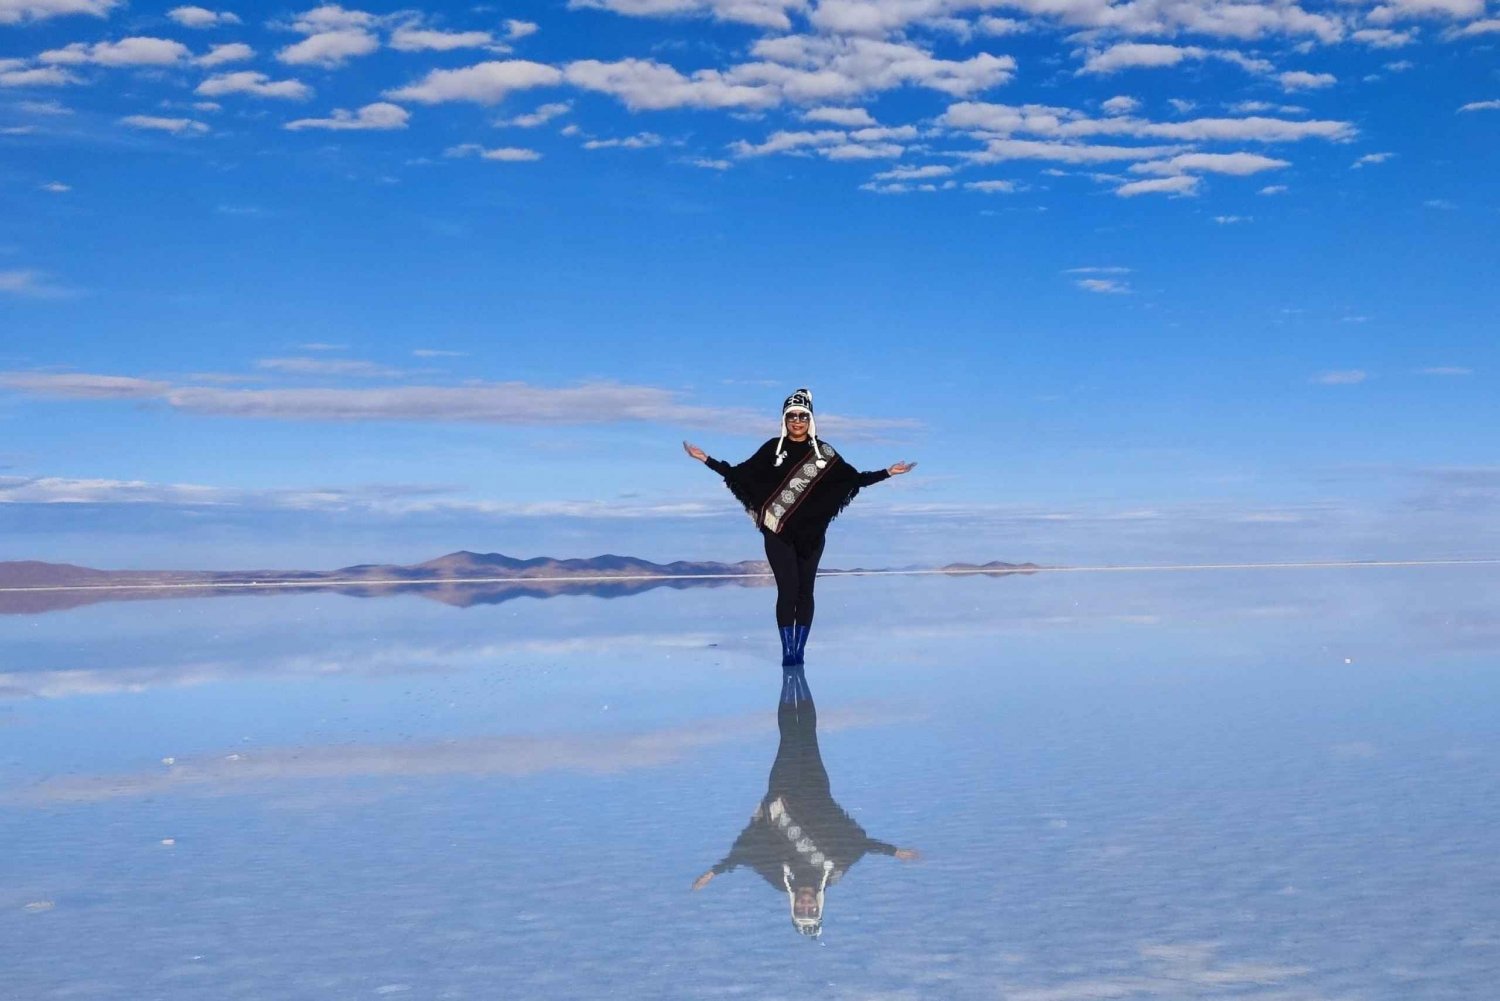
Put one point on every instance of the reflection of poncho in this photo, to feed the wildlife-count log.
(798, 797)
(754, 480)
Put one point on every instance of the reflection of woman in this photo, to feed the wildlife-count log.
(798, 838)
(793, 486)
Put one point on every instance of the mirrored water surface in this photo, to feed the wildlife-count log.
(1276, 784)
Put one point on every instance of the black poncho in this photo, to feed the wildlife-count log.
(798, 787)
(754, 480)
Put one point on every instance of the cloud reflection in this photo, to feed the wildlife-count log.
(245, 771)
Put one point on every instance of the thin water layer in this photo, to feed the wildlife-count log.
(1249, 784)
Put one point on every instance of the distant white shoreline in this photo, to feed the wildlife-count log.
(629, 578)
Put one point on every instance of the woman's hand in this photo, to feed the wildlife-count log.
(908, 854)
(695, 451)
(703, 880)
(901, 467)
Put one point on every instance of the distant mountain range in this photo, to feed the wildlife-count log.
(461, 579)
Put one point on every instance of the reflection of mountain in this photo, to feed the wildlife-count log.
(461, 579)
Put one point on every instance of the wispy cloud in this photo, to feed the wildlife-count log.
(513, 403)
(30, 283)
(379, 116)
(1341, 377)
(506, 756)
(328, 366)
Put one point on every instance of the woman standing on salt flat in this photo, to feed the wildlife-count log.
(793, 486)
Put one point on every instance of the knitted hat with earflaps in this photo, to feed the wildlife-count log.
(800, 401)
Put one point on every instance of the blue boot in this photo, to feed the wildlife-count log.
(788, 645)
(794, 691)
(799, 642)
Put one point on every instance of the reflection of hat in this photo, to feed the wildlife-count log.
(811, 927)
(801, 401)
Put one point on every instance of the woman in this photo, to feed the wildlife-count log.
(799, 840)
(793, 486)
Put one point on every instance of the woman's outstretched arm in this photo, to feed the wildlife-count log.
(876, 475)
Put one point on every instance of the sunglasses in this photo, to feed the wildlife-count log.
(798, 418)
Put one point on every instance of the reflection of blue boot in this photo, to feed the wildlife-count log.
(794, 690)
(799, 642)
(788, 645)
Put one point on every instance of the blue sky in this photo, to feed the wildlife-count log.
(1133, 282)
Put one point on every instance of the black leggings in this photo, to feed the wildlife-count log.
(795, 576)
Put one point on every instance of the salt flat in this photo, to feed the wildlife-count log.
(1249, 784)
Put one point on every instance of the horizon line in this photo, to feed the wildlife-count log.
(626, 578)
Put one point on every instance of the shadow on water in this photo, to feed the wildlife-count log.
(799, 840)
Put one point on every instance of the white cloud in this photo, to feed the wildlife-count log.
(710, 164)
(1238, 164)
(201, 17)
(1273, 189)
(255, 84)
(503, 154)
(1126, 55)
(1303, 80)
(761, 13)
(41, 76)
(56, 187)
(999, 26)
(991, 187)
(1105, 286)
(1231, 220)
(983, 119)
(513, 403)
(30, 284)
(849, 118)
(176, 126)
(1447, 370)
(1120, 105)
(643, 140)
(332, 17)
(43, 107)
(413, 39)
(1407, 10)
(857, 151)
(1384, 38)
(1181, 185)
(540, 116)
(328, 366)
(515, 29)
(1345, 377)
(18, 11)
(329, 48)
(372, 116)
(809, 69)
(134, 51)
(914, 173)
(997, 150)
(1489, 26)
(232, 52)
(644, 84)
(1481, 106)
(510, 155)
(483, 83)
(832, 143)
(1371, 158)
